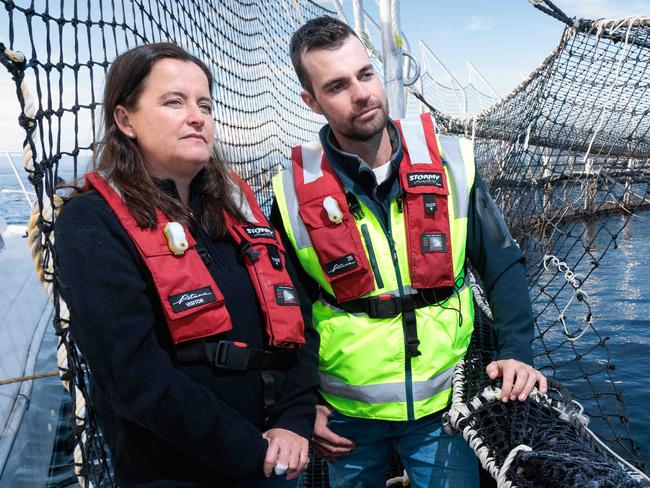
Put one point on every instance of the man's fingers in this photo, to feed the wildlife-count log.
(332, 449)
(530, 384)
(329, 451)
(326, 435)
(492, 370)
(543, 384)
(521, 378)
(508, 378)
(324, 453)
(518, 378)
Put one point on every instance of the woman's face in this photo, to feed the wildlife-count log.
(172, 122)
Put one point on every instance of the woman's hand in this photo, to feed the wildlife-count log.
(288, 449)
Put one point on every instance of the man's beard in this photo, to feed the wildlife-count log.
(363, 131)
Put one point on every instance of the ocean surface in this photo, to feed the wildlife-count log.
(618, 294)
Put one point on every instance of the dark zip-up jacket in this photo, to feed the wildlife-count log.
(165, 422)
(490, 248)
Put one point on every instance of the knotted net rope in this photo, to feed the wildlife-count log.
(542, 441)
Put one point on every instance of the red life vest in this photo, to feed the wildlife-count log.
(193, 304)
(338, 245)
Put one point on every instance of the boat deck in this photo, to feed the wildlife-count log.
(25, 314)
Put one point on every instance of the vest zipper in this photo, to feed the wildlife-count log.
(371, 255)
(408, 377)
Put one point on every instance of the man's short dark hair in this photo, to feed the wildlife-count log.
(320, 33)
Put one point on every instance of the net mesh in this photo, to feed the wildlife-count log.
(540, 442)
(567, 146)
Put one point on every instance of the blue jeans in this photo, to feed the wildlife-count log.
(431, 457)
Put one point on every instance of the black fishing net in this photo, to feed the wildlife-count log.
(543, 441)
(566, 158)
(568, 146)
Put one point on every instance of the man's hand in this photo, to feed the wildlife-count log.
(326, 443)
(518, 378)
(288, 449)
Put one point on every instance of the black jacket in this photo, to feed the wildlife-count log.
(490, 248)
(165, 421)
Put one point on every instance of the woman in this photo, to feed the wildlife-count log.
(179, 296)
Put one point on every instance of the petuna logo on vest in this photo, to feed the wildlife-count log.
(191, 298)
(424, 179)
(260, 232)
(340, 265)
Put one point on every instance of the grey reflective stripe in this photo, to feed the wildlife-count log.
(312, 156)
(386, 392)
(298, 228)
(244, 205)
(453, 157)
(416, 141)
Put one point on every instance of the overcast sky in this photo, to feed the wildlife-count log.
(504, 39)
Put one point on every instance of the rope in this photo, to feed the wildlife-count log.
(502, 481)
(575, 281)
(552, 10)
(403, 480)
(20, 379)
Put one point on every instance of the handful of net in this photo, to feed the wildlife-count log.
(543, 441)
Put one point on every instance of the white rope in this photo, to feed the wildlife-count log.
(479, 295)
(44, 267)
(502, 482)
(636, 473)
(575, 280)
(403, 480)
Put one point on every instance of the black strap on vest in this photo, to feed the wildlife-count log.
(235, 356)
(389, 306)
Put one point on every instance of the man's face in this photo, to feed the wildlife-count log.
(346, 90)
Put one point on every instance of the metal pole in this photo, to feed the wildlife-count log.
(20, 182)
(484, 79)
(461, 104)
(359, 21)
(340, 12)
(392, 53)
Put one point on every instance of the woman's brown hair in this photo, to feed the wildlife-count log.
(118, 158)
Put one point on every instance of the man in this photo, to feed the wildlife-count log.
(380, 225)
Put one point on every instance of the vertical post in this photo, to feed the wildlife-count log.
(392, 53)
(340, 11)
(359, 19)
(20, 182)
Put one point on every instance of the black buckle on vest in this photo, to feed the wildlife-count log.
(235, 356)
(205, 255)
(231, 355)
(355, 206)
(247, 249)
(400, 200)
(384, 307)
